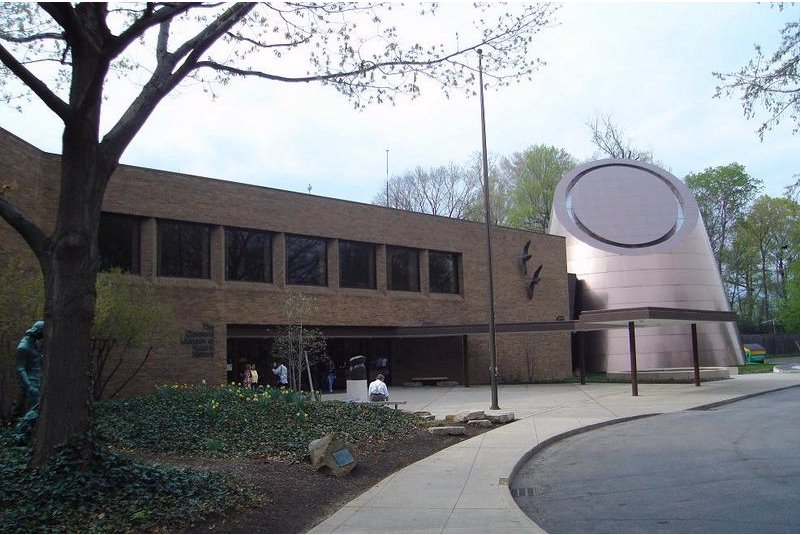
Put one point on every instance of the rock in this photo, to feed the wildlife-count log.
(425, 415)
(479, 423)
(413, 383)
(465, 416)
(332, 452)
(447, 430)
(500, 417)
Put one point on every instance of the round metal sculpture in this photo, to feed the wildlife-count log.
(634, 237)
(624, 206)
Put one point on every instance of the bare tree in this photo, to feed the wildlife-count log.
(612, 142)
(65, 53)
(768, 82)
(446, 190)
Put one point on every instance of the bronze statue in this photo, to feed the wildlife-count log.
(29, 371)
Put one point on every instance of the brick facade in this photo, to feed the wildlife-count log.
(216, 302)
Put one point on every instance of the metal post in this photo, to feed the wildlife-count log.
(387, 178)
(582, 356)
(696, 363)
(633, 357)
(493, 357)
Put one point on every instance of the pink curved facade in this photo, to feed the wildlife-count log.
(635, 238)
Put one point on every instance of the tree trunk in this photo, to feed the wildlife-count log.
(70, 271)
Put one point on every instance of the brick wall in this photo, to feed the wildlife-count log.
(155, 194)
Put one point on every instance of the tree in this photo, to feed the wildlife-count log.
(129, 318)
(768, 82)
(771, 224)
(534, 174)
(723, 194)
(65, 53)
(446, 190)
(300, 345)
(611, 141)
(789, 315)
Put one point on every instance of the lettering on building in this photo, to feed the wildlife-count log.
(202, 341)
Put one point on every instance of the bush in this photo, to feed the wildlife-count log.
(230, 420)
(109, 494)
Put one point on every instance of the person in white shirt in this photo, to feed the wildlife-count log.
(378, 389)
(281, 372)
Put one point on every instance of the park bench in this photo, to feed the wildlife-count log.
(389, 402)
(433, 380)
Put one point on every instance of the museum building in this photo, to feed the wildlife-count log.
(387, 284)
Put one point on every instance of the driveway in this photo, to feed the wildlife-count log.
(731, 469)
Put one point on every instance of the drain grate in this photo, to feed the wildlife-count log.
(523, 492)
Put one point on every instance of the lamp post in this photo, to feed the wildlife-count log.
(493, 357)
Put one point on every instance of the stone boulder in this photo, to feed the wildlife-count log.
(465, 416)
(447, 430)
(334, 453)
(479, 423)
(500, 417)
(425, 415)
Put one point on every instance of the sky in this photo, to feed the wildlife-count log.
(647, 65)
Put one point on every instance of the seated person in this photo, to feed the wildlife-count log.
(378, 389)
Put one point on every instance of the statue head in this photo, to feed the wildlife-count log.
(37, 330)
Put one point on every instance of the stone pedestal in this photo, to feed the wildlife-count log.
(357, 390)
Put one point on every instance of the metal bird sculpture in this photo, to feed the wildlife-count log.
(532, 282)
(525, 257)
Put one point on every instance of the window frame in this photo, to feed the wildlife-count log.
(205, 245)
(455, 263)
(391, 249)
(266, 253)
(135, 242)
(322, 280)
(371, 283)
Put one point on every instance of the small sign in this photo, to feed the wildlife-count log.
(343, 457)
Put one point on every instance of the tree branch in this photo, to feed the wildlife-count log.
(51, 100)
(32, 234)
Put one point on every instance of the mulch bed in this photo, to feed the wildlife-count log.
(293, 497)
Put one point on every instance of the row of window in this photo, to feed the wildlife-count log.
(183, 251)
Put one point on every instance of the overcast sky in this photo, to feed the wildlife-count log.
(648, 65)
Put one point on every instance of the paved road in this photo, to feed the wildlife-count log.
(732, 469)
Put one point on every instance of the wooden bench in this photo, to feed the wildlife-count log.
(429, 379)
(388, 402)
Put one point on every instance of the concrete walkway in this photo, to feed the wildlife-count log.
(464, 488)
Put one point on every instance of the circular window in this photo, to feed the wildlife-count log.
(625, 206)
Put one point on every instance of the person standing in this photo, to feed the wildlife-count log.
(254, 377)
(280, 372)
(331, 377)
(377, 391)
(247, 378)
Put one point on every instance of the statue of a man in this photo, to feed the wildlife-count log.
(29, 371)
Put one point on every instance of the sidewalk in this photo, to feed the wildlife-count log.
(463, 489)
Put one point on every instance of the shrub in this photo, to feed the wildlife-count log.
(109, 494)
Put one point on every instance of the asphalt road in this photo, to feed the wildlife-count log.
(731, 469)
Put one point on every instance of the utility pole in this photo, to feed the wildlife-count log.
(493, 357)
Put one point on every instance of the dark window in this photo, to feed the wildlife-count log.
(306, 261)
(183, 250)
(356, 264)
(403, 269)
(443, 272)
(248, 255)
(118, 242)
